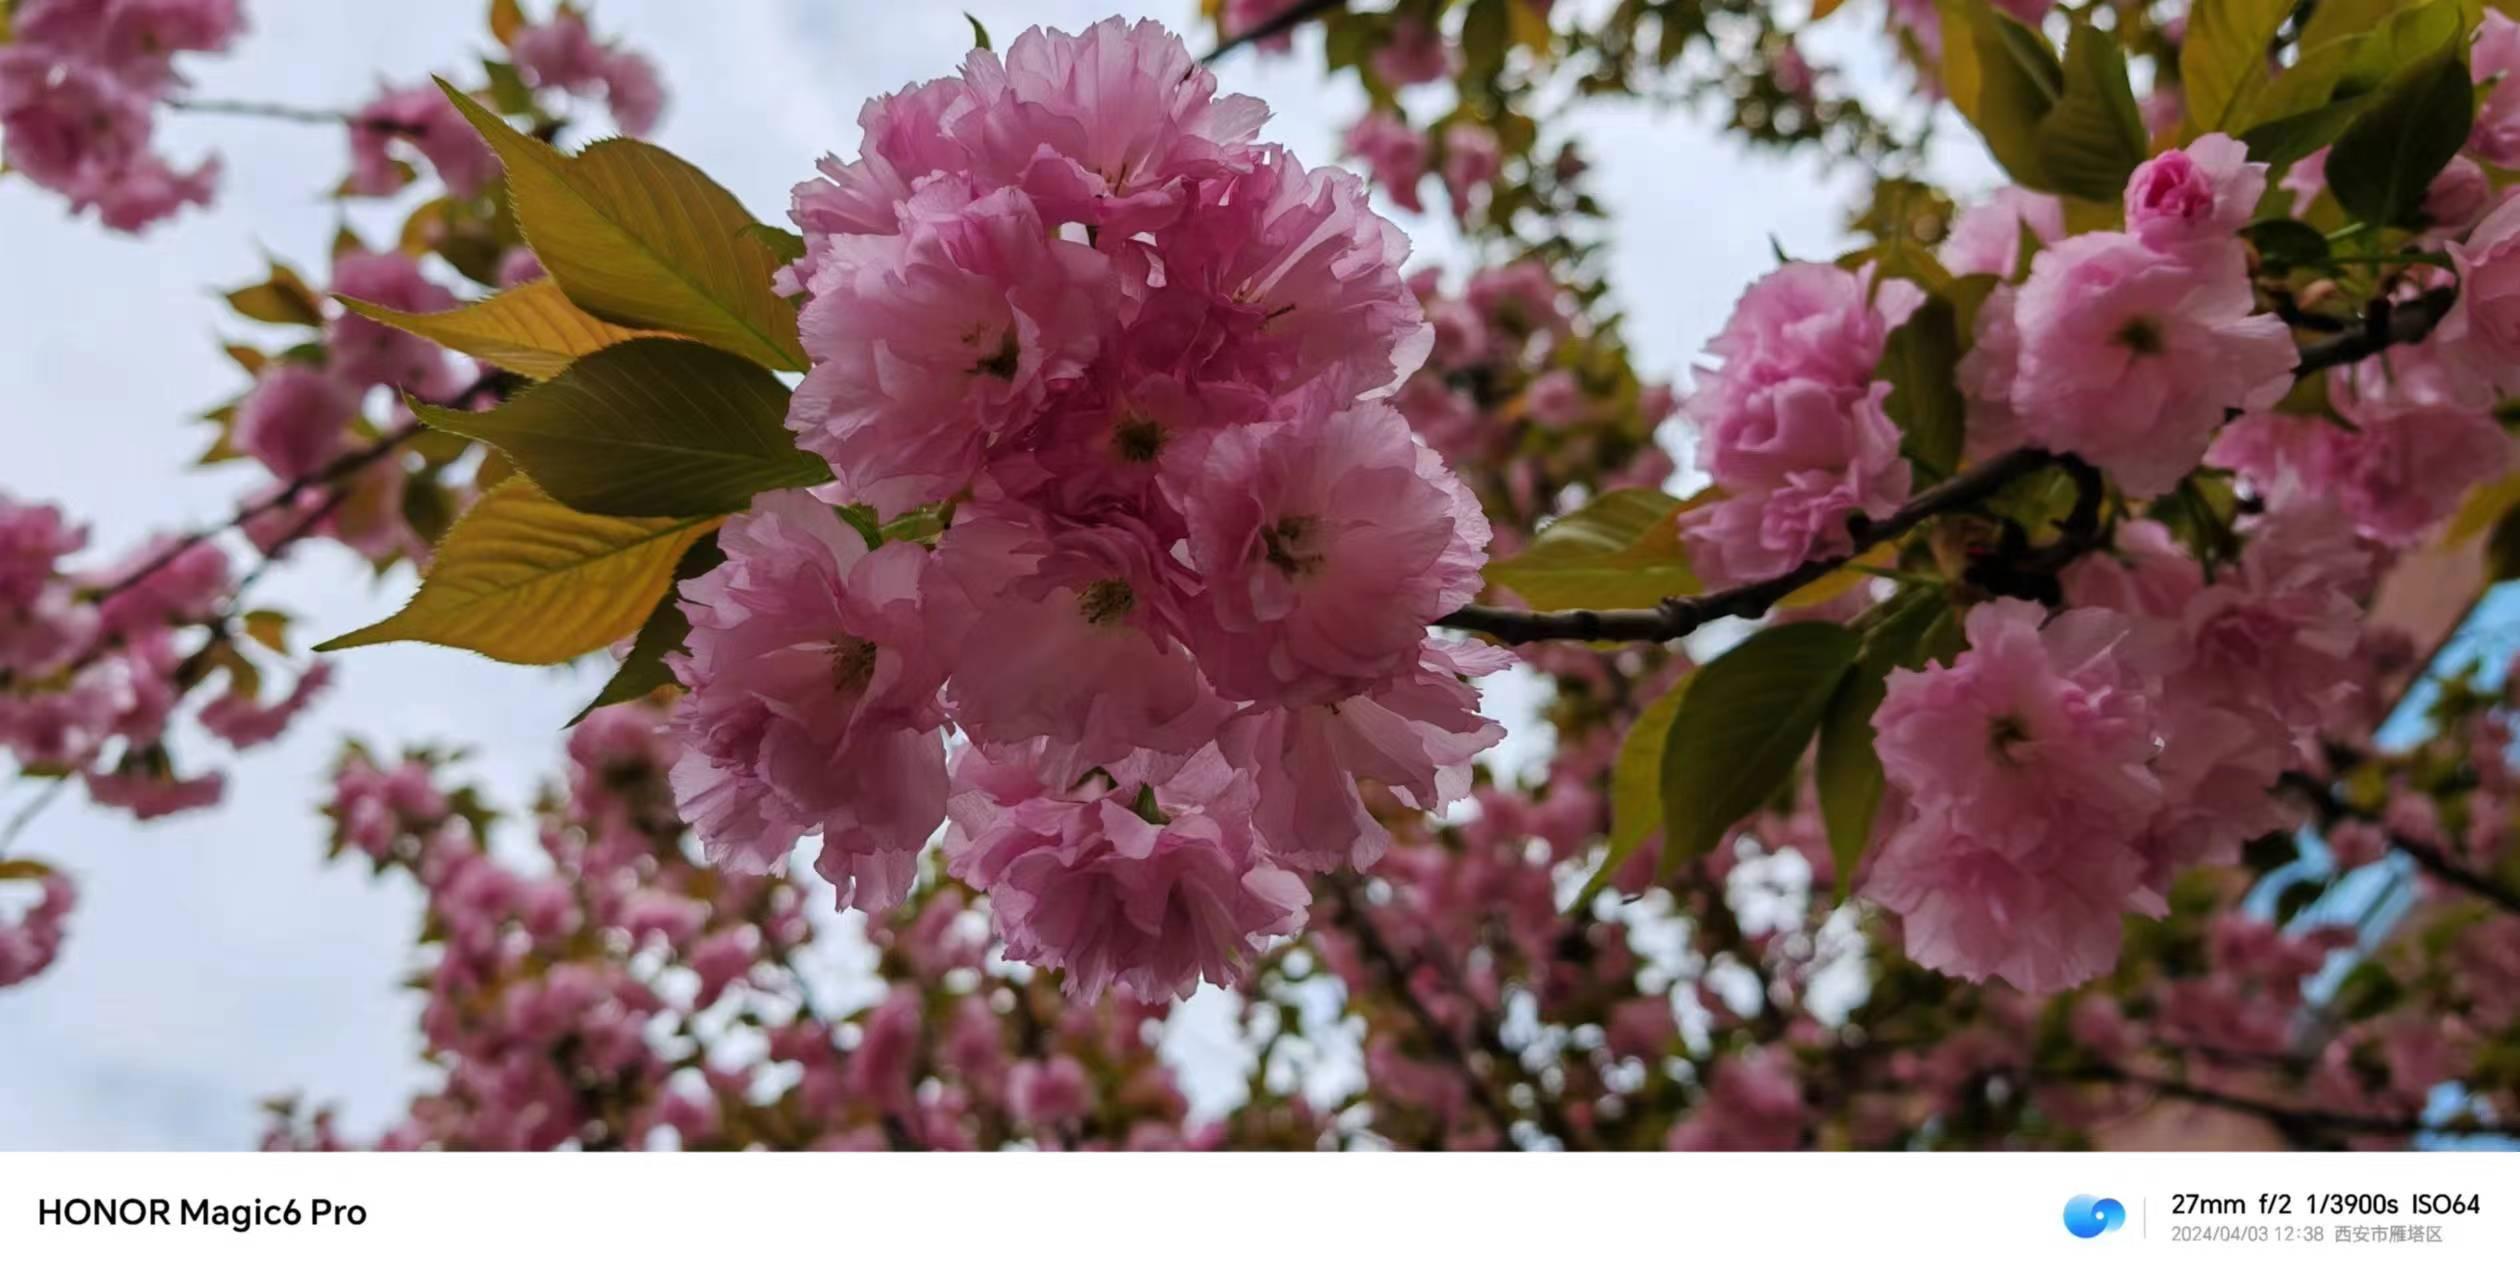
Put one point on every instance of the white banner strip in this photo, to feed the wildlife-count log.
(1278, 1215)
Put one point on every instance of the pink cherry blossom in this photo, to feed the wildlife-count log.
(563, 54)
(2129, 357)
(2194, 198)
(1804, 320)
(1394, 153)
(365, 352)
(1327, 543)
(2493, 57)
(2483, 325)
(1412, 52)
(1471, 161)
(2035, 743)
(813, 701)
(422, 118)
(295, 419)
(1986, 238)
(1091, 883)
(30, 942)
(931, 345)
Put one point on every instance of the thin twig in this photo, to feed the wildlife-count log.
(26, 816)
(1274, 27)
(264, 110)
(2300, 1117)
(2434, 860)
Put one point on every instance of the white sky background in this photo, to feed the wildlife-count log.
(214, 960)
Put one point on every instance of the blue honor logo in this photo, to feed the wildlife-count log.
(2086, 1217)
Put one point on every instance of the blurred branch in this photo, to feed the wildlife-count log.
(1294, 17)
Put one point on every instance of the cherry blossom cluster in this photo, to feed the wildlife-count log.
(1179, 610)
(1526, 399)
(80, 85)
(559, 56)
(615, 992)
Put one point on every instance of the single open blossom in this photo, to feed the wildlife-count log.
(295, 419)
(2493, 57)
(30, 942)
(2028, 764)
(1807, 320)
(1394, 153)
(2196, 198)
(813, 701)
(367, 353)
(1147, 884)
(1471, 161)
(2130, 357)
(1803, 459)
(1413, 52)
(2483, 325)
(422, 118)
(1985, 239)
(1328, 542)
(563, 54)
(931, 345)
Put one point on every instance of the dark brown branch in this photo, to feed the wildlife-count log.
(2384, 326)
(1379, 951)
(1284, 22)
(1676, 618)
(2294, 1117)
(2434, 860)
(342, 467)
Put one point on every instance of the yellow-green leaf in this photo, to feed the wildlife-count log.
(2094, 136)
(269, 629)
(532, 329)
(507, 17)
(635, 235)
(1636, 777)
(2224, 57)
(522, 578)
(281, 299)
(1620, 551)
(652, 427)
(24, 867)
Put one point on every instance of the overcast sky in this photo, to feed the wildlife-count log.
(214, 960)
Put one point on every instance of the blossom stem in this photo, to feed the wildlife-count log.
(1279, 25)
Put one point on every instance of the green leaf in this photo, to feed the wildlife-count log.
(283, 298)
(979, 34)
(1486, 31)
(2382, 164)
(2094, 136)
(1620, 551)
(1744, 723)
(652, 427)
(1921, 363)
(15, 868)
(508, 91)
(269, 628)
(1846, 771)
(2283, 141)
(521, 578)
(532, 329)
(785, 245)
(637, 236)
(2284, 242)
(644, 670)
(2224, 55)
(2003, 77)
(1636, 777)
(1636, 787)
